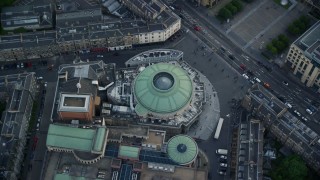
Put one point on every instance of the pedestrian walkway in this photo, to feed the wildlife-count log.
(210, 115)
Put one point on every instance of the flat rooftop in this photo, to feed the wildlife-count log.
(155, 137)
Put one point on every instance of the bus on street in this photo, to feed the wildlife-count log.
(217, 134)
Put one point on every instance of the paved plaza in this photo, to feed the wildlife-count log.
(258, 20)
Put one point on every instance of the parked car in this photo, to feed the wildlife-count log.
(223, 165)
(297, 113)
(304, 118)
(222, 172)
(285, 83)
(309, 111)
(223, 159)
(99, 56)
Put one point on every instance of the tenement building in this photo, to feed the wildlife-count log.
(17, 93)
(91, 30)
(304, 57)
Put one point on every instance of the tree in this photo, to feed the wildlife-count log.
(274, 50)
(237, 4)
(280, 46)
(224, 13)
(4, 3)
(269, 46)
(284, 39)
(292, 167)
(248, 1)
(232, 8)
(274, 42)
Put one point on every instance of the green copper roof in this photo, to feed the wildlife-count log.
(129, 152)
(67, 177)
(75, 138)
(182, 149)
(162, 88)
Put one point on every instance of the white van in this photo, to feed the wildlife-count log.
(222, 151)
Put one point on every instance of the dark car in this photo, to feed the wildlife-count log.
(249, 72)
(231, 57)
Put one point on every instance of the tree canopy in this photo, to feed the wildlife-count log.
(292, 167)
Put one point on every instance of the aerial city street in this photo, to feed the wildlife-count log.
(160, 89)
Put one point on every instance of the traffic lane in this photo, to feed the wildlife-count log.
(226, 40)
(42, 133)
(209, 25)
(265, 76)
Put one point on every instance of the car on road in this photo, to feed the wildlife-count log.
(99, 56)
(309, 111)
(245, 76)
(231, 56)
(38, 125)
(285, 83)
(22, 65)
(249, 72)
(223, 165)
(288, 105)
(297, 113)
(243, 67)
(266, 85)
(222, 49)
(197, 28)
(304, 118)
(257, 80)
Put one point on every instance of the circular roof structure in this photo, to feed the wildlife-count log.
(182, 149)
(162, 88)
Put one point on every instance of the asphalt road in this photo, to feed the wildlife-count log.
(295, 93)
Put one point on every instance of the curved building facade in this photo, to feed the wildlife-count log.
(162, 90)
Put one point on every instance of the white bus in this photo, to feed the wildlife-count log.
(217, 134)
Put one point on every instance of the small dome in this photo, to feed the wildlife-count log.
(163, 81)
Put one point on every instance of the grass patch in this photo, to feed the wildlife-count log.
(279, 2)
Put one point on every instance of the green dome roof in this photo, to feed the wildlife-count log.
(162, 88)
(182, 149)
